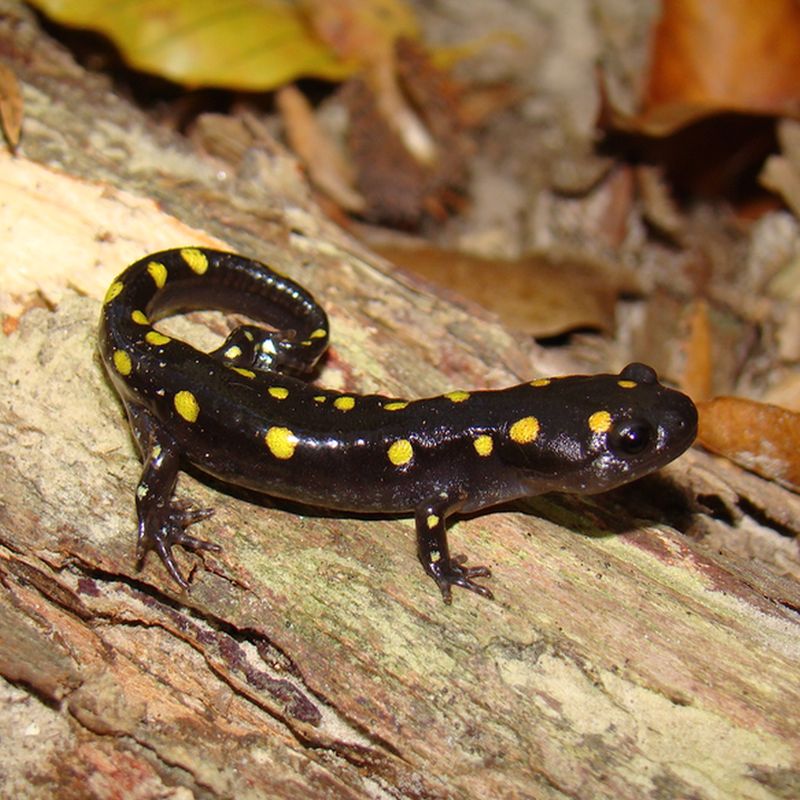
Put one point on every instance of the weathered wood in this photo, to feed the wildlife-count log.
(312, 657)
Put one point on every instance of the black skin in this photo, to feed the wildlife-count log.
(247, 414)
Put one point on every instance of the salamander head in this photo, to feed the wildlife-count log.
(601, 431)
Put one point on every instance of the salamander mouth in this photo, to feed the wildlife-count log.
(682, 427)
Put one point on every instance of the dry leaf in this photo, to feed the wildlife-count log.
(762, 438)
(781, 173)
(327, 167)
(710, 56)
(534, 296)
(364, 30)
(10, 106)
(246, 44)
(698, 373)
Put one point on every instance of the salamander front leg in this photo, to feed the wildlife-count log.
(434, 552)
(162, 519)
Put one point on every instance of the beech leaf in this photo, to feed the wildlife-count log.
(253, 45)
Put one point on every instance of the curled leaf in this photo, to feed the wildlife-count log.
(760, 437)
(710, 56)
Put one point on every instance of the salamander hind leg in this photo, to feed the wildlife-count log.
(162, 519)
(434, 553)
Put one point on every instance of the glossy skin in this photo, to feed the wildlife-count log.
(241, 415)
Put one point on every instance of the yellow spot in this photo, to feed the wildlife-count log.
(396, 405)
(457, 397)
(122, 362)
(600, 422)
(186, 405)
(234, 351)
(432, 520)
(538, 382)
(281, 442)
(158, 272)
(400, 452)
(319, 333)
(627, 384)
(278, 392)
(139, 318)
(344, 403)
(156, 338)
(483, 445)
(248, 373)
(113, 291)
(306, 342)
(525, 430)
(196, 259)
(320, 398)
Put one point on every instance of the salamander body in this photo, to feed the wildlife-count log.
(246, 414)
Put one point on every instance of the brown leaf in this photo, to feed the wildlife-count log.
(710, 56)
(326, 165)
(534, 296)
(698, 368)
(361, 30)
(10, 106)
(762, 438)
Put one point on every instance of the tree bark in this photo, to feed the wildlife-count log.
(312, 657)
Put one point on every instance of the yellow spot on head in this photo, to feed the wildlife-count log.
(122, 362)
(344, 403)
(396, 405)
(248, 373)
(627, 384)
(186, 405)
(278, 392)
(196, 259)
(538, 382)
(281, 442)
(113, 291)
(320, 398)
(158, 272)
(140, 318)
(432, 520)
(319, 333)
(457, 397)
(306, 343)
(600, 422)
(234, 351)
(483, 445)
(525, 430)
(400, 452)
(156, 338)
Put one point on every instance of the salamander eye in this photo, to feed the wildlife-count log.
(630, 438)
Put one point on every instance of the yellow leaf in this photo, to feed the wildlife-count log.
(243, 44)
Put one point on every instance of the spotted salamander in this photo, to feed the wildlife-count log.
(246, 414)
